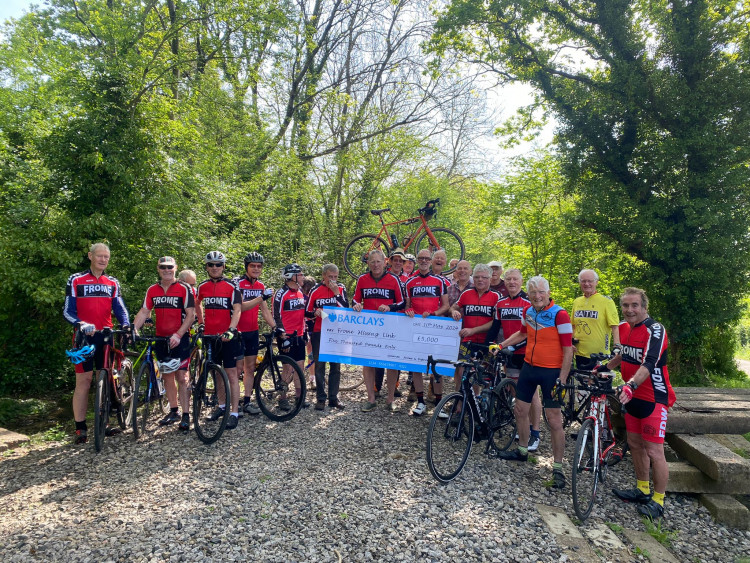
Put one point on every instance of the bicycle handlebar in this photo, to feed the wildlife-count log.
(139, 338)
(432, 364)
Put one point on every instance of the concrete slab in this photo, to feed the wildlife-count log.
(714, 459)
(679, 391)
(712, 422)
(655, 550)
(686, 478)
(9, 439)
(601, 536)
(727, 510)
(736, 443)
(567, 534)
(719, 404)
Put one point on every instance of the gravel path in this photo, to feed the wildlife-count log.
(343, 486)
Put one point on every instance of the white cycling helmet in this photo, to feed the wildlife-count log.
(215, 256)
(169, 365)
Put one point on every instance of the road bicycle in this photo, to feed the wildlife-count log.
(575, 401)
(210, 388)
(464, 417)
(357, 249)
(280, 392)
(149, 386)
(596, 440)
(114, 386)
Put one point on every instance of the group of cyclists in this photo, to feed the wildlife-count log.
(491, 305)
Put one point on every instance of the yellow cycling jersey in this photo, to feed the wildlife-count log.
(592, 320)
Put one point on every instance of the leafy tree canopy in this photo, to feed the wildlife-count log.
(651, 97)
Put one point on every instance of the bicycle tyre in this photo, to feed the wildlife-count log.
(142, 398)
(101, 408)
(585, 477)
(270, 386)
(449, 440)
(502, 418)
(125, 386)
(355, 253)
(194, 365)
(206, 397)
(448, 240)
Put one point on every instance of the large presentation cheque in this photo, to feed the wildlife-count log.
(388, 340)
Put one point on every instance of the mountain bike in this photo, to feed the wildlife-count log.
(280, 392)
(357, 249)
(463, 417)
(596, 440)
(114, 387)
(210, 387)
(149, 386)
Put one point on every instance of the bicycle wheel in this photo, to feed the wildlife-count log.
(449, 440)
(502, 418)
(585, 470)
(125, 386)
(355, 253)
(101, 408)
(207, 396)
(351, 377)
(447, 240)
(280, 396)
(142, 399)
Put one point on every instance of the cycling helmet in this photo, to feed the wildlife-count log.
(411, 258)
(80, 355)
(254, 257)
(169, 365)
(215, 256)
(291, 270)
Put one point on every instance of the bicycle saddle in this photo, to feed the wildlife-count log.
(379, 211)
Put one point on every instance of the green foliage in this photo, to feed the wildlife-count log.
(533, 226)
(652, 101)
(659, 532)
(13, 410)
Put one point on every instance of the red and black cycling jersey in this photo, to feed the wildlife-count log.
(171, 306)
(372, 293)
(322, 296)
(249, 289)
(509, 316)
(289, 310)
(219, 298)
(646, 345)
(477, 311)
(89, 299)
(448, 281)
(425, 291)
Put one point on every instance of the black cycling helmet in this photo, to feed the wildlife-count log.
(254, 257)
(291, 270)
(215, 256)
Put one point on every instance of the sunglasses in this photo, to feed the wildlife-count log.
(424, 258)
(167, 267)
(214, 265)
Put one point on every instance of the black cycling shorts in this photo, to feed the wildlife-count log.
(182, 351)
(250, 343)
(532, 377)
(226, 353)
